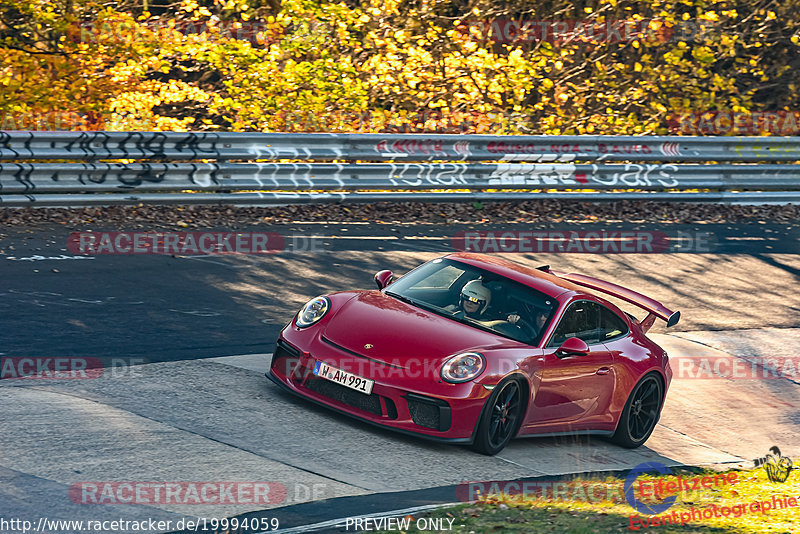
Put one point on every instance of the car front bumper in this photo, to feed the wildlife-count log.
(424, 407)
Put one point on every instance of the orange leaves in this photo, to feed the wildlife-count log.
(326, 66)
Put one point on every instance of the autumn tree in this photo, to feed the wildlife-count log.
(544, 67)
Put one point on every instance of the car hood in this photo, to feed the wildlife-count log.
(398, 331)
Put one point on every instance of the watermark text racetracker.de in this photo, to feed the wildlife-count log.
(583, 242)
(209, 492)
(576, 31)
(44, 524)
(66, 367)
(543, 490)
(189, 243)
(395, 368)
(721, 122)
(730, 367)
(595, 491)
(177, 492)
(683, 367)
(97, 526)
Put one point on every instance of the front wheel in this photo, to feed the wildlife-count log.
(501, 418)
(641, 412)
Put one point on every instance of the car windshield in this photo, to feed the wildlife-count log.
(477, 297)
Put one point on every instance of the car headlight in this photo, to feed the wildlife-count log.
(463, 367)
(313, 311)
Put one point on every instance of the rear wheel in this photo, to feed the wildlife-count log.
(641, 412)
(500, 419)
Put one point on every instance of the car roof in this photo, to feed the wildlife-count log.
(547, 283)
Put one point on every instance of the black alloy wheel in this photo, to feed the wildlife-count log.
(499, 423)
(641, 413)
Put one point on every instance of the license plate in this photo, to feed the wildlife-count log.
(362, 385)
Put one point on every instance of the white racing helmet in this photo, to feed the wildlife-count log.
(475, 291)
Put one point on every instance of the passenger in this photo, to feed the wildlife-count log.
(539, 322)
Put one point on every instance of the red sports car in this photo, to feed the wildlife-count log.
(474, 349)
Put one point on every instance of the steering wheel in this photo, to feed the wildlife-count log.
(523, 325)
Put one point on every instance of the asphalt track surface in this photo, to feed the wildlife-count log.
(199, 409)
(165, 307)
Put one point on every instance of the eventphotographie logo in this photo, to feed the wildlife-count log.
(636, 504)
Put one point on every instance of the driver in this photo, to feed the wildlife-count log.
(474, 299)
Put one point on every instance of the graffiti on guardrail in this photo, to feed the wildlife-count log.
(636, 175)
(122, 145)
(272, 168)
(512, 150)
(525, 175)
(269, 151)
(437, 175)
(411, 146)
(194, 145)
(306, 176)
(629, 175)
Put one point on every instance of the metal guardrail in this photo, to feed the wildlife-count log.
(103, 168)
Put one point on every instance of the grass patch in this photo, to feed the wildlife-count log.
(587, 506)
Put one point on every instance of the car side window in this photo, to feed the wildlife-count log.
(581, 320)
(613, 325)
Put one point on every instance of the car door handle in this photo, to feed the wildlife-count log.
(603, 371)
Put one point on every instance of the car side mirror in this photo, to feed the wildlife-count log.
(572, 347)
(383, 278)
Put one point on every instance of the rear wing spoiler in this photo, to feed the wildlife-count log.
(653, 308)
